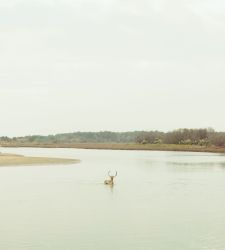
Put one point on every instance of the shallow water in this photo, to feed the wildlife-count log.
(160, 201)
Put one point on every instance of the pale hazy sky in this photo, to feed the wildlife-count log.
(90, 65)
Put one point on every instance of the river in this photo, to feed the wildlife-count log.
(160, 201)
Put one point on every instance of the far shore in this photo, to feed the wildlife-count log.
(19, 160)
(125, 146)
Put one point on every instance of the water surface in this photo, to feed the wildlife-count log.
(160, 201)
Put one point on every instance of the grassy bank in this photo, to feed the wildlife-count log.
(126, 146)
(17, 160)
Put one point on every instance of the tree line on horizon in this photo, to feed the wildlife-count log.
(202, 137)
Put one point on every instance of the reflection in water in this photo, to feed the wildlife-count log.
(111, 187)
(201, 164)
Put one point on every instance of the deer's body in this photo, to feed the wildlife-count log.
(110, 181)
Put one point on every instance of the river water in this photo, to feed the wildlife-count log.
(160, 201)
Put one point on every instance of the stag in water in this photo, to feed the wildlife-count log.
(110, 182)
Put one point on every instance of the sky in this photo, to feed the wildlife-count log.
(119, 65)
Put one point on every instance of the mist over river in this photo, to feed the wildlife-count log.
(160, 201)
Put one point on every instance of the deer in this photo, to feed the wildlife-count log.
(110, 182)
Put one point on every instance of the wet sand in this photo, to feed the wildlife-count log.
(19, 160)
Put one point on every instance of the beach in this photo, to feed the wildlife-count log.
(18, 160)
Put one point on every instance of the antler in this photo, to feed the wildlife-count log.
(112, 175)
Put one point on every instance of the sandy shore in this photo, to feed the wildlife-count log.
(125, 146)
(18, 160)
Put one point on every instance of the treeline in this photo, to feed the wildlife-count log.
(202, 137)
(77, 137)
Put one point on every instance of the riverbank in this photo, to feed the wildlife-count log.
(18, 160)
(125, 146)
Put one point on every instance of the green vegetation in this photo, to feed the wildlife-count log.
(181, 139)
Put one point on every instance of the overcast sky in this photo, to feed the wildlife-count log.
(91, 65)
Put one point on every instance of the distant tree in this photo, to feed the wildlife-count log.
(217, 139)
(202, 137)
